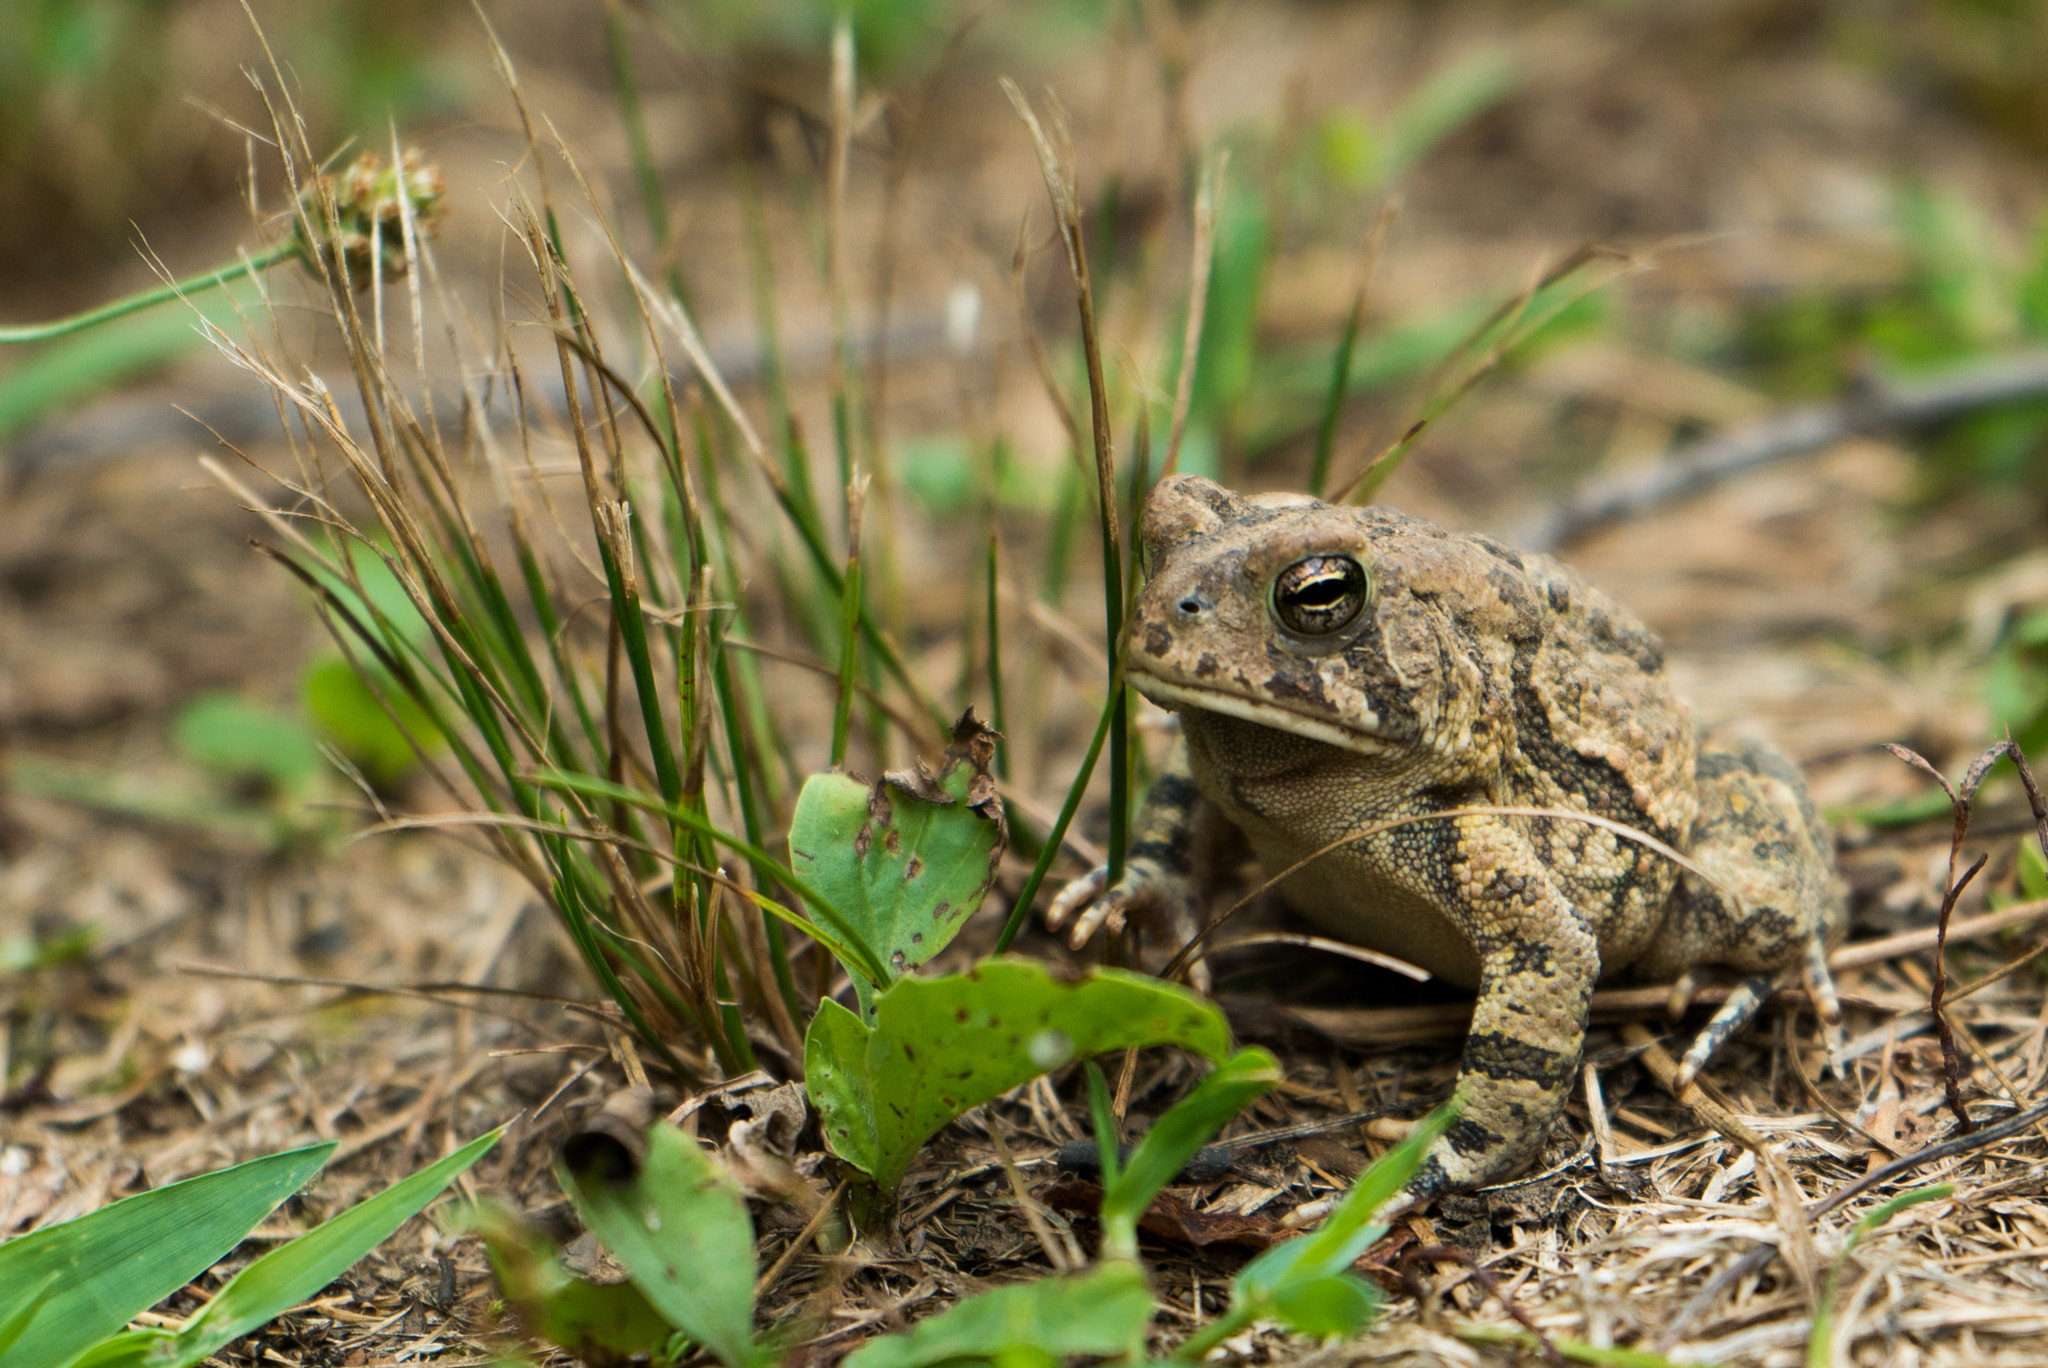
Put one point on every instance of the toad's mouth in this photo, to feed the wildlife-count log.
(1359, 733)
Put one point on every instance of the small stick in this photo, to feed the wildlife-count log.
(1441, 1253)
(1981, 1138)
(1812, 1091)
(1596, 1110)
(1034, 1214)
(802, 1240)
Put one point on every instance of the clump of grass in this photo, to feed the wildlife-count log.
(512, 677)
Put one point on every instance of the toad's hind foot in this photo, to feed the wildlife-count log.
(1743, 1003)
(1747, 998)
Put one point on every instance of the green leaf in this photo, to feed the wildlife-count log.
(1920, 807)
(2032, 871)
(349, 715)
(587, 1319)
(126, 1257)
(940, 1046)
(1879, 1215)
(63, 374)
(16, 1322)
(66, 945)
(234, 736)
(1820, 1337)
(1337, 1305)
(1100, 1313)
(1186, 1127)
(293, 1272)
(1452, 97)
(909, 860)
(836, 1080)
(680, 1227)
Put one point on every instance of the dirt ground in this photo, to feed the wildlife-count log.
(240, 994)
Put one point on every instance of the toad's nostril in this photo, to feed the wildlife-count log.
(1191, 606)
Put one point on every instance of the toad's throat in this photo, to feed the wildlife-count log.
(1358, 733)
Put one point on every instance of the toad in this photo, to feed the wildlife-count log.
(1468, 758)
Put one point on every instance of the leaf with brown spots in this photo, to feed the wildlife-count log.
(908, 860)
(942, 1045)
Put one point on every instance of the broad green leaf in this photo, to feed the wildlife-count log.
(349, 715)
(231, 735)
(1337, 1305)
(1186, 1127)
(680, 1227)
(907, 860)
(587, 1319)
(942, 1045)
(1100, 1313)
(836, 1080)
(125, 1350)
(128, 1256)
(12, 1326)
(293, 1272)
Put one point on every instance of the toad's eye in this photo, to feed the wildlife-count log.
(1321, 594)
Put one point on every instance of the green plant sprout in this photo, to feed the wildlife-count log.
(1820, 1340)
(675, 1220)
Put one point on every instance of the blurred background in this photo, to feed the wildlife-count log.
(1801, 211)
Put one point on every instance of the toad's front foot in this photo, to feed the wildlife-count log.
(1147, 895)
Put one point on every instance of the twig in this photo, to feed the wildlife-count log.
(1960, 797)
(1980, 1138)
(1773, 1175)
(801, 1242)
(1812, 1090)
(1033, 1210)
(1440, 1253)
(1877, 405)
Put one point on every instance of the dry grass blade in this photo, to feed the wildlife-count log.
(1198, 306)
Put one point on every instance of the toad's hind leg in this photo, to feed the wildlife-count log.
(1770, 905)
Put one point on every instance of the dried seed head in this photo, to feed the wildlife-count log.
(371, 200)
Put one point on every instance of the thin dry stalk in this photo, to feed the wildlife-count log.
(1960, 798)
(1198, 306)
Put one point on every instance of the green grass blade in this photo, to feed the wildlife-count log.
(633, 633)
(995, 662)
(1022, 908)
(1099, 1314)
(849, 625)
(1333, 402)
(867, 963)
(293, 1272)
(1175, 1137)
(125, 1258)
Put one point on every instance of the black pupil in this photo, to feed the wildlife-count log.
(1325, 591)
(1321, 594)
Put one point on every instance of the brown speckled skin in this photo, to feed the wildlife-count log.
(1474, 676)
